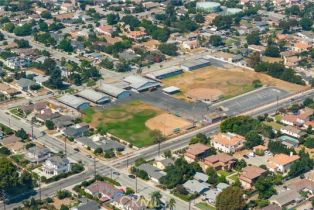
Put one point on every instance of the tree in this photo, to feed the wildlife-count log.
(216, 40)
(22, 134)
(254, 59)
(4, 151)
(158, 138)
(106, 63)
(276, 147)
(306, 23)
(171, 204)
(49, 124)
(66, 45)
(212, 176)
(98, 151)
(272, 51)
(55, 80)
(301, 166)
(253, 139)
(230, 198)
(199, 18)
(155, 198)
(2, 36)
(222, 22)
(46, 15)
(113, 19)
(168, 49)
(253, 38)
(9, 175)
(131, 20)
(309, 142)
(308, 102)
(64, 207)
(22, 43)
(265, 186)
(23, 30)
(200, 138)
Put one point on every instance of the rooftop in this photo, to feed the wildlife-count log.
(228, 139)
(93, 95)
(72, 101)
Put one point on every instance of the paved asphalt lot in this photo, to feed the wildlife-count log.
(251, 100)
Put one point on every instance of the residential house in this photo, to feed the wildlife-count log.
(301, 47)
(76, 131)
(162, 164)
(13, 143)
(201, 177)
(7, 91)
(257, 48)
(87, 204)
(128, 203)
(137, 35)
(190, 44)
(291, 131)
(47, 114)
(38, 154)
(62, 122)
(297, 119)
(309, 123)
(220, 161)
(153, 172)
(100, 142)
(281, 162)
(67, 7)
(196, 152)
(249, 175)
(228, 142)
(105, 30)
(24, 84)
(104, 190)
(194, 186)
(17, 62)
(212, 193)
(291, 62)
(56, 165)
(289, 141)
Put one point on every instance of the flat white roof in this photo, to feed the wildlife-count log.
(171, 89)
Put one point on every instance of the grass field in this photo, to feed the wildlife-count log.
(231, 81)
(204, 206)
(274, 125)
(126, 121)
(271, 59)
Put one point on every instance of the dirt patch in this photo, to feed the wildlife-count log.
(204, 94)
(271, 59)
(58, 203)
(168, 124)
(230, 81)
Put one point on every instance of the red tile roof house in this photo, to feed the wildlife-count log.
(281, 162)
(103, 191)
(299, 119)
(220, 161)
(249, 175)
(137, 35)
(196, 152)
(228, 142)
(105, 30)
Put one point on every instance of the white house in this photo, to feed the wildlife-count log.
(228, 142)
(36, 154)
(291, 131)
(56, 165)
(281, 162)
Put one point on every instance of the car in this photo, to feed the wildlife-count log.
(76, 149)
(131, 176)
(116, 173)
(43, 133)
(89, 156)
(246, 157)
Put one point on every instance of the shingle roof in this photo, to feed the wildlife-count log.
(152, 171)
(195, 186)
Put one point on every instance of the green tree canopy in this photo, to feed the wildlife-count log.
(230, 198)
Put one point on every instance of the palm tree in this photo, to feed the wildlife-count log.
(155, 198)
(158, 138)
(171, 203)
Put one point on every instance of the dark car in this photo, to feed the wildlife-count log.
(131, 176)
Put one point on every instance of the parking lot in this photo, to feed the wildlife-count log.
(251, 100)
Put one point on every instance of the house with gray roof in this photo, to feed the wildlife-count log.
(94, 96)
(153, 172)
(103, 143)
(194, 186)
(37, 154)
(113, 91)
(201, 177)
(87, 204)
(74, 102)
(56, 165)
(63, 121)
(210, 195)
(141, 84)
(24, 84)
(76, 131)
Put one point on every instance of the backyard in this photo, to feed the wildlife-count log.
(231, 81)
(125, 121)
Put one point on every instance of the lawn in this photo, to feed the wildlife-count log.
(205, 206)
(274, 125)
(16, 112)
(223, 173)
(125, 121)
(234, 177)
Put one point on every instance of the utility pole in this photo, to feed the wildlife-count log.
(136, 184)
(127, 161)
(32, 124)
(277, 103)
(111, 173)
(189, 205)
(159, 142)
(65, 147)
(95, 172)
(39, 188)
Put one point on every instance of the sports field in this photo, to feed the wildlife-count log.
(231, 81)
(126, 121)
